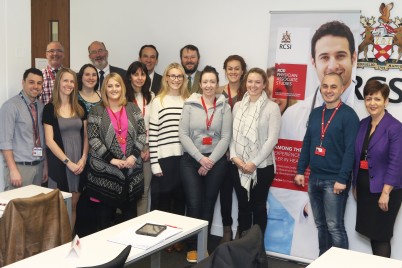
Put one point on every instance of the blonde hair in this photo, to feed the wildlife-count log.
(165, 87)
(118, 79)
(76, 108)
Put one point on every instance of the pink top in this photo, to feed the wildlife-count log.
(120, 120)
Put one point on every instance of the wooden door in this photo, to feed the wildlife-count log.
(45, 14)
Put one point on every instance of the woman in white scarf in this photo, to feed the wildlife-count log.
(256, 127)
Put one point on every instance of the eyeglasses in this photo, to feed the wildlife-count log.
(99, 51)
(55, 51)
(174, 77)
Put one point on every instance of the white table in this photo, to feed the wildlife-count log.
(32, 190)
(338, 257)
(95, 249)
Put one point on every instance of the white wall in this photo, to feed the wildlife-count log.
(15, 50)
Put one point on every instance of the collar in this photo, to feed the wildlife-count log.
(27, 99)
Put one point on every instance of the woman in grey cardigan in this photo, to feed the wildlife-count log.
(205, 132)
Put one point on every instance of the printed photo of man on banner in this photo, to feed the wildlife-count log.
(304, 46)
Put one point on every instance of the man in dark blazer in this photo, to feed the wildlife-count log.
(190, 58)
(149, 56)
(98, 54)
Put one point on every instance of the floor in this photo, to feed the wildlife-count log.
(178, 260)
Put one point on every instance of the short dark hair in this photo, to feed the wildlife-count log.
(80, 74)
(190, 47)
(239, 59)
(334, 28)
(373, 86)
(150, 46)
(31, 71)
(209, 69)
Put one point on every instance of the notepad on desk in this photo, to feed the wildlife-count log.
(129, 237)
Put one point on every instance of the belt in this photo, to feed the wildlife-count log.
(33, 163)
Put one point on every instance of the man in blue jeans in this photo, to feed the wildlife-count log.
(328, 148)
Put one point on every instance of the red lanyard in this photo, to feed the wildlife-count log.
(208, 121)
(230, 97)
(143, 105)
(324, 129)
(118, 121)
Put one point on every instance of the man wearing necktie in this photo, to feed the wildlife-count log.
(190, 57)
(98, 54)
(54, 56)
(21, 135)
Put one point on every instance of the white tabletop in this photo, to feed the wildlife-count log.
(338, 257)
(28, 191)
(95, 249)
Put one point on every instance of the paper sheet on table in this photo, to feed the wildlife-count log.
(129, 237)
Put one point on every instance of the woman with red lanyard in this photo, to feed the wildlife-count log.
(117, 134)
(205, 132)
(235, 68)
(138, 84)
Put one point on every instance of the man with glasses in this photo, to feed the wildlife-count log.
(98, 54)
(54, 56)
(190, 57)
(149, 56)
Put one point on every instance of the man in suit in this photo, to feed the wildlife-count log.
(190, 57)
(98, 54)
(149, 56)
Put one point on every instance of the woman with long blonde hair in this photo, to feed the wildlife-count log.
(65, 127)
(164, 144)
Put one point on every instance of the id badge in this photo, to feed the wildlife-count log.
(320, 151)
(207, 141)
(37, 151)
(363, 164)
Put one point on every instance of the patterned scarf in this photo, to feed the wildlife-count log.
(245, 135)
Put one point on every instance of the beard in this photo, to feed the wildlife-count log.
(190, 71)
(100, 64)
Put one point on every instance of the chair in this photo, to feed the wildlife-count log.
(248, 251)
(33, 225)
(117, 262)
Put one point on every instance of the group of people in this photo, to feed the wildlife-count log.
(112, 137)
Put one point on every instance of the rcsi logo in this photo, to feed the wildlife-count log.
(381, 47)
(286, 41)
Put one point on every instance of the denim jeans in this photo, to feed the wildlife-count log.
(201, 192)
(328, 210)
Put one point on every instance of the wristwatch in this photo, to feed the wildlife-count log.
(65, 161)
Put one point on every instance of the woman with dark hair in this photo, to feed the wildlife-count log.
(235, 68)
(256, 124)
(205, 132)
(65, 126)
(138, 84)
(377, 176)
(88, 82)
(116, 133)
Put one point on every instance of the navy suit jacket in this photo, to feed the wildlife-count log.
(156, 83)
(384, 153)
(118, 70)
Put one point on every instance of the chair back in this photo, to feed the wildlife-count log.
(248, 251)
(117, 262)
(33, 225)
